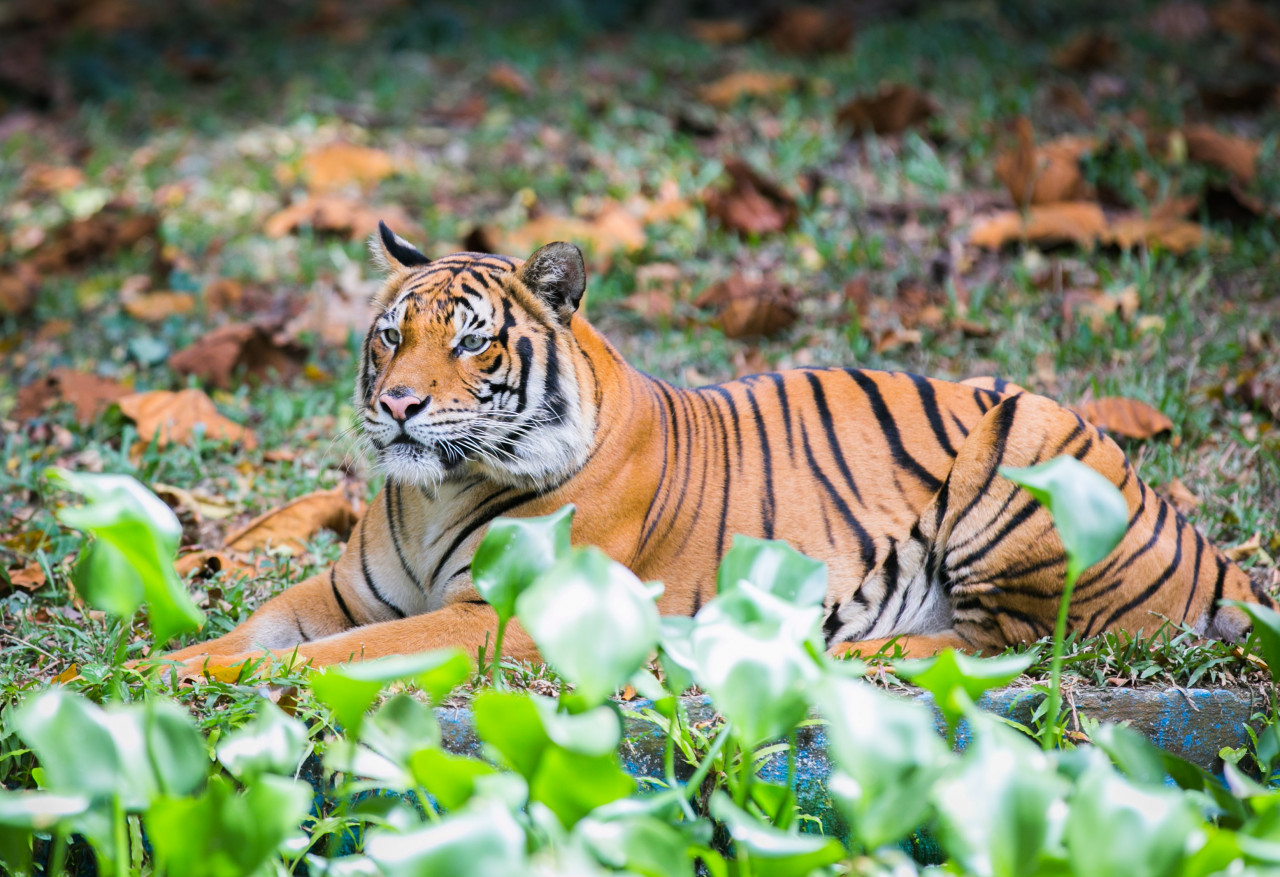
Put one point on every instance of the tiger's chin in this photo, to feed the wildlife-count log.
(414, 463)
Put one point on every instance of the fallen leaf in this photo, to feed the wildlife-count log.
(169, 417)
(806, 30)
(1125, 417)
(206, 564)
(1257, 391)
(751, 204)
(350, 218)
(1239, 97)
(749, 361)
(67, 675)
(1098, 306)
(29, 578)
(507, 78)
(891, 110)
(654, 304)
(223, 294)
(1067, 97)
(1247, 21)
(1237, 156)
(88, 393)
(50, 179)
(728, 90)
(1087, 51)
(1246, 549)
(612, 231)
(892, 339)
(1169, 233)
(340, 164)
(1183, 499)
(1180, 21)
(19, 285)
(292, 524)
(242, 348)
(80, 242)
(751, 309)
(1047, 173)
(719, 31)
(156, 307)
(1079, 222)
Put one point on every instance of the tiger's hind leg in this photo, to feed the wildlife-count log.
(992, 554)
(1001, 562)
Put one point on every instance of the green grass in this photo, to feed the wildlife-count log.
(599, 124)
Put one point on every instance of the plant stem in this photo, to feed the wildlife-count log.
(58, 852)
(496, 662)
(1055, 667)
(121, 838)
(695, 781)
(745, 775)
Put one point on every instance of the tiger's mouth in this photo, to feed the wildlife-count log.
(405, 449)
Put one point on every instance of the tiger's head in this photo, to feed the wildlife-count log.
(468, 369)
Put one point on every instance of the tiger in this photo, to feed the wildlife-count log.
(484, 392)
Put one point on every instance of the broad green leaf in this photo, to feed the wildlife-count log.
(38, 811)
(450, 779)
(597, 731)
(675, 640)
(775, 567)
(510, 723)
(572, 784)
(483, 841)
(957, 680)
(514, 552)
(774, 853)
(1266, 627)
(174, 749)
(637, 844)
(888, 755)
(1090, 514)
(1118, 829)
(222, 833)
(592, 619)
(750, 656)
(999, 813)
(270, 742)
(130, 560)
(350, 689)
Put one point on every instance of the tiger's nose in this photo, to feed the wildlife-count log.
(400, 407)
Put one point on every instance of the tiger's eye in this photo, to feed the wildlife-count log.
(391, 337)
(473, 343)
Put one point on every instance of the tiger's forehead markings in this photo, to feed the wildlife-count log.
(460, 274)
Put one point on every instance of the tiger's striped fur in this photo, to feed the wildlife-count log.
(888, 477)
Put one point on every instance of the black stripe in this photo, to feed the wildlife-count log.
(297, 621)
(828, 426)
(369, 583)
(1019, 518)
(780, 386)
(889, 427)
(476, 523)
(1150, 589)
(1217, 586)
(1004, 424)
(553, 393)
(1195, 574)
(337, 595)
(394, 526)
(866, 546)
(929, 402)
(767, 509)
(727, 475)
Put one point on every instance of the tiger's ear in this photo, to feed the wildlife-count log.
(390, 251)
(557, 275)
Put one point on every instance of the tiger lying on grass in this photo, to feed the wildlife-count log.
(485, 395)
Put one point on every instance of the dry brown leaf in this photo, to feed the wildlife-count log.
(507, 78)
(719, 31)
(156, 307)
(292, 524)
(1079, 222)
(749, 361)
(339, 164)
(19, 285)
(29, 578)
(1180, 21)
(82, 241)
(1238, 156)
(51, 179)
(656, 305)
(173, 417)
(728, 90)
(88, 393)
(223, 294)
(206, 564)
(1183, 499)
(67, 675)
(891, 110)
(353, 219)
(612, 231)
(1247, 21)
(1169, 233)
(1258, 391)
(216, 357)
(1125, 417)
(1246, 549)
(751, 309)
(1047, 173)
(752, 204)
(1097, 306)
(1085, 52)
(807, 30)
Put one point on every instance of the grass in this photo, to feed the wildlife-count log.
(600, 123)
